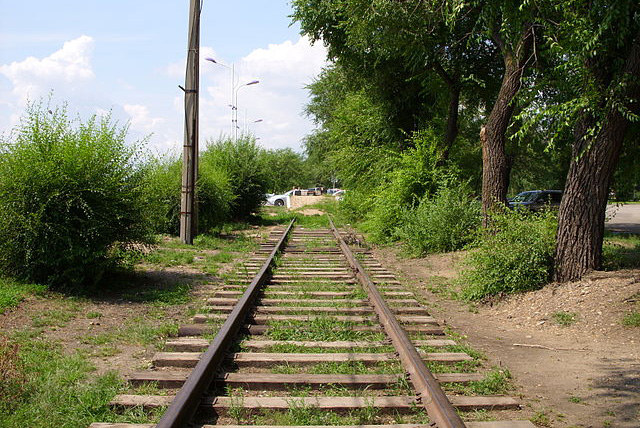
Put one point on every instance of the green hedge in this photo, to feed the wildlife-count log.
(70, 193)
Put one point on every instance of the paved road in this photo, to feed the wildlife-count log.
(625, 218)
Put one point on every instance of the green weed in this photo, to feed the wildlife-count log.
(564, 318)
(13, 292)
(61, 389)
(632, 319)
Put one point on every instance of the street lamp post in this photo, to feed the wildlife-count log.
(235, 87)
(253, 82)
(234, 77)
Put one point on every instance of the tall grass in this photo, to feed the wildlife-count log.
(70, 192)
(48, 387)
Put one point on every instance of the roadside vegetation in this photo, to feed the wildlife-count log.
(419, 98)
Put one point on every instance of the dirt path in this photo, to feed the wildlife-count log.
(586, 374)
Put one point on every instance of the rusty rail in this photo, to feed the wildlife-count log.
(186, 401)
(431, 396)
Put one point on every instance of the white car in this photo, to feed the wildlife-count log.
(279, 200)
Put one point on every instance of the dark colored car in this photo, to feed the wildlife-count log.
(535, 200)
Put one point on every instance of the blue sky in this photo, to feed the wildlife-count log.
(128, 57)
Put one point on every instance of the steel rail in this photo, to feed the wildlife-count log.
(185, 403)
(430, 395)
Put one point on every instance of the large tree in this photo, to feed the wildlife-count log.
(478, 50)
(599, 46)
(412, 61)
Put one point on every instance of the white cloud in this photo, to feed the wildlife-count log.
(68, 68)
(141, 119)
(283, 70)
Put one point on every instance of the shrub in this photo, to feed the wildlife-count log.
(239, 161)
(70, 192)
(416, 173)
(215, 197)
(446, 222)
(163, 184)
(162, 189)
(517, 257)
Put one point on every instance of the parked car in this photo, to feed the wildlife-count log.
(339, 194)
(317, 191)
(279, 200)
(535, 200)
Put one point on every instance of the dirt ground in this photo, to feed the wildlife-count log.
(583, 375)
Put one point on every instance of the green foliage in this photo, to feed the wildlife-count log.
(516, 257)
(284, 169)
(240, 162)
(70, 193)
(564, 318)
(416, 173)
(216, 195)
(13, 292)
(56, 388)
(446, 222)
(163, 192)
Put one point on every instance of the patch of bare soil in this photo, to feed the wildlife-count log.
(311, 211)
(586, 374)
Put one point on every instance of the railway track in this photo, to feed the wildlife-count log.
(312, 332)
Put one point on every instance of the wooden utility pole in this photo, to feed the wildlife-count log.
(188, 205)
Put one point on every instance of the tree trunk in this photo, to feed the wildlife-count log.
(582, 211)
(495, 165)
(452, 80)
(452, 121)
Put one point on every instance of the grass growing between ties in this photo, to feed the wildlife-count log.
(321, 328)
(45, 386)
(299, 349)
(496, 382)
(345, 367)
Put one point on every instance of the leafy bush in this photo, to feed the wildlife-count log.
(163, 180)
(239, 161)
(215, 197)
(416, 173)
(446, 222)
(70, 192)
(517, 257)
(163, 184)
(283, 169)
